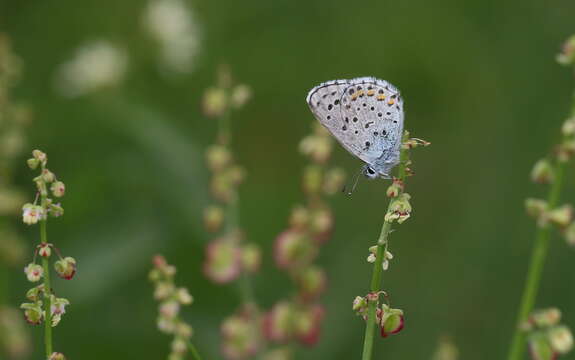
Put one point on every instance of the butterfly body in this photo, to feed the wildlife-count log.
(366, 116)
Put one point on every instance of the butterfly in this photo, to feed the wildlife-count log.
(366, 116)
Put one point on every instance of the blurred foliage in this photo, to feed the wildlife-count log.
(480, 82)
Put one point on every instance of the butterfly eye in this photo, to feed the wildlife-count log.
(370, 171)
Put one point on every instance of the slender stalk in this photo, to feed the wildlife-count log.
(194, 351)
(376, 277)
(536, 265)
(47, 288)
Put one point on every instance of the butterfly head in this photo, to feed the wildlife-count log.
(370, 172)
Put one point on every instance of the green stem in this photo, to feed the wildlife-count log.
(535, 269)
(537, 263)
(194, 351)
(47, 288)
(376, 277)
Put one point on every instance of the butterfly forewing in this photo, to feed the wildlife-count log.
(364, 114)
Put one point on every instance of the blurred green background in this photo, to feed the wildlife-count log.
(479, 79)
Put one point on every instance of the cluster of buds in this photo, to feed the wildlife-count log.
(400, 209)
(371, 258)
(46, 184)
(241, 334)
(227, 256)
(544, 172)
(296, 248)
(287, 321)
(44, 305)
(547, 338)
(567, 55)
(171, 298)
(35, 314)
(226, 95)
(390, 321)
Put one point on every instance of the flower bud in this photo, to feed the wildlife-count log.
(251, 257)
(568, 128)
(570, 234)
(371, 258)
(31, 214)
(277, 323)
(66, 267)
(241, 336)
(32, 163)
(33, 313)
(321, 223)
(57, 356)
(360, 305)
(546, 317)
(535, 207)
(400, 209)
(35, 293)
(291, 248)
(223, 261)
(163, 289)
(540, 348)
(222, 188)
(542, 172)
(58, 189)
(55, 210)
(312, 282)
(218, 157)
(184, 330)
(215, 102)
(299, 217)
(40, 156)
(44, 250)
(561, 339)
(567, 55)
(240, 95)
(318, 147)
(391, 321)
(183, 296)
(179, 346)
(395, 188)
(169, 309)
(34, 272)
(561, 216)
(58, 305)
(48, 176)
(308, 325)
(213, 218)
(312, 179)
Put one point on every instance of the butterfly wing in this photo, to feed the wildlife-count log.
(365, 115)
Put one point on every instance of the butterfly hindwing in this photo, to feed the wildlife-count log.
(364, 114)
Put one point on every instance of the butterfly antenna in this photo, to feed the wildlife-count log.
(355, 181)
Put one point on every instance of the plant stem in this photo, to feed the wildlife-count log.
(537, 262)
(194, 351)
(376, 277)
(47, 288)
(535, 268)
